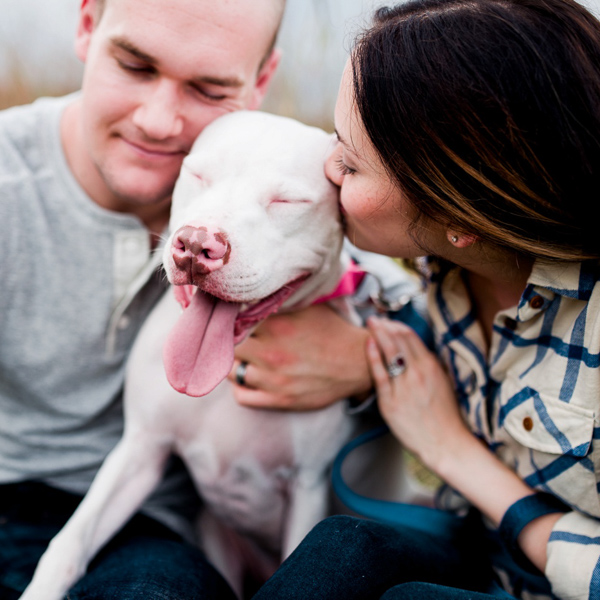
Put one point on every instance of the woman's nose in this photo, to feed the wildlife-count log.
(332, 171)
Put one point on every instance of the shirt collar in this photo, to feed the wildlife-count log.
(572, 280)
(547, 280)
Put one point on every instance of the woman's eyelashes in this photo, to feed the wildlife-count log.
(343, 168)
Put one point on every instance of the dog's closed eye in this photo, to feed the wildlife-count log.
(289, 201)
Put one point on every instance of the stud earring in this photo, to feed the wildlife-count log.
(454, 239)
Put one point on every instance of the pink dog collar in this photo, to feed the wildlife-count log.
(348, 284)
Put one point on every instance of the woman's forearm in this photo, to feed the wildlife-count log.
(488, 484)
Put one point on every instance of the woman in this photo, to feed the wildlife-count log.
(469, 132)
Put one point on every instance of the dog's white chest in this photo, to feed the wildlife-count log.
(242, 460)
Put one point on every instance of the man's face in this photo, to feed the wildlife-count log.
(157, 72)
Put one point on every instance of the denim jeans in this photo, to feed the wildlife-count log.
(344, 558)
(145, 561)
(431, 591)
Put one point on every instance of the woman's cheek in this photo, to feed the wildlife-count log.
(352, 201)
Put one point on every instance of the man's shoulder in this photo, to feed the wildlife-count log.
(24, 130)
(34, 110)
(25, 116)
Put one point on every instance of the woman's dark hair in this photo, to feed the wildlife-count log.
(486, 113)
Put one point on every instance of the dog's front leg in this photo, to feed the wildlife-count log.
(129, 473)
(309, 498)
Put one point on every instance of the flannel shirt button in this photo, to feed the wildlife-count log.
(536, 302)
(528, 423)
(471, 384)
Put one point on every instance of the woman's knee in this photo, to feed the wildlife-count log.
(346, 532)
(336, 525)
(431, 591)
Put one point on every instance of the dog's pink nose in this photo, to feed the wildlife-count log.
(199, 251)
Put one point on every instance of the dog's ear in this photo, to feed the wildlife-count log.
(89, 14)
(264, 78)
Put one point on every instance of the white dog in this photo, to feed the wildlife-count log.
(255, 227)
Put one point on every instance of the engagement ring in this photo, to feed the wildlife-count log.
(397, 366)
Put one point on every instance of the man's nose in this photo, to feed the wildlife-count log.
(158, 114)
(332, 170)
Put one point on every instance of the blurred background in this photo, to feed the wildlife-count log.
(37, 57)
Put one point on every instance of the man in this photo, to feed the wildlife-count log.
(85, 187)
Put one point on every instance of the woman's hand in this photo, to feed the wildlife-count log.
(303, 361)
(420, 408)
(419, 404)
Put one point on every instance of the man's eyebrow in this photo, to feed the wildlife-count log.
(229, 82)
(127, 46)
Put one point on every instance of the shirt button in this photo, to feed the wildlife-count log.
(536, 302)
(132, 245)
(124, 322)
(470, 384)
(528, 423)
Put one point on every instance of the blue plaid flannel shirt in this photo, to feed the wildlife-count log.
(534, 399)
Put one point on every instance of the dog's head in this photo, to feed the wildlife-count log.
(254, 226)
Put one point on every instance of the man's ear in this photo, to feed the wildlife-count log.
(264, 78)
(88, 17)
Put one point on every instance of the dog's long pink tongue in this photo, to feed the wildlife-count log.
(198, 353)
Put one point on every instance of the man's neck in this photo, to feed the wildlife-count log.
(155, 218)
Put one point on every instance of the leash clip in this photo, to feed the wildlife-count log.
(386, 305)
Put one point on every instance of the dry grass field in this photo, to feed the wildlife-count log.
(314, 37)
(19, 91)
